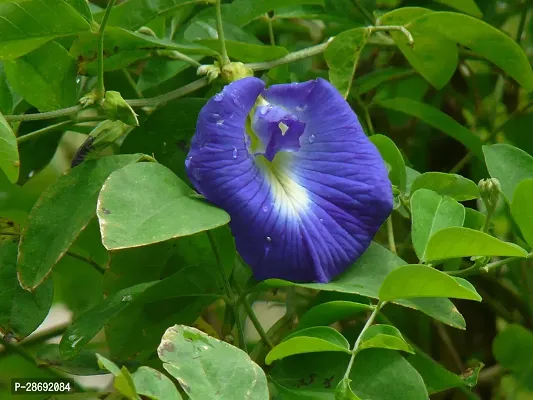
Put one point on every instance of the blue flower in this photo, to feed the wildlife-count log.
(305, 188)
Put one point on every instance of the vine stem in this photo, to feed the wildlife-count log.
(390, 235)
(357, 343)
(228, 290)
(256, 323)
(475, 269)
(100, 91)
(364, 12)
(220, 30)
(87, 260)
(270, 30)
(28, 357)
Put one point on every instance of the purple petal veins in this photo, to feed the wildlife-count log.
(305, 188)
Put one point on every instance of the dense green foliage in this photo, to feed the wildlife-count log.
(148, 269)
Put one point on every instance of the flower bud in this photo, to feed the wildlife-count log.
(117, 108)
(490, 190)
(235, 71)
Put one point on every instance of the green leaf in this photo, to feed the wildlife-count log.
(466, 6)
(21, 33)
(376, 374)
(21, 312)
(436, 119)
(474, 219)
(172, 123)
(463, 242)
(521, 209)
(513, 349)
(433, 55)
(154, 385)
(342, 55)
(6, 97)
(146, 203)
(190, 281)
(193, 284)
(365, 278)
(392, 156)
(423, 281)
(509, 165)
(384, 337)
(310, 340)
(84, 328)
(241, 12)
(436, 378)
(9, 154)
(46, 77)
(207, 368)
(330, 312)
(123, 381)
(344, 391)
(83, 364)
(375, 78)
(481, 38)
(122, 47)
(246, 52)
(431, 213)
(82, 7)
(455, 186)
(133, 14)
(70, 203)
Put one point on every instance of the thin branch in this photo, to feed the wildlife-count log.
(270, 30)
(297, 55)
(369, 17)
(100, 85)
(220, 30)
(166, 97)
(87, 260)
(476, 269)
(256, 323)
(390, 235)
(64, 112)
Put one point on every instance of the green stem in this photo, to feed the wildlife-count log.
(369, 17)
(17, 349)
(476, 268)
(270, 30)
(55, 127)
(357, 343)
(521, 26)
(368, 120)
(64, 112)
(228, 290)
(461, 164)
(176, 55)
(87, 260)
(388, 28)
(132, 83)
(295, 56)
(166, 97)
(100, 91)
(390, 235)
(220, 30)
(256, 323)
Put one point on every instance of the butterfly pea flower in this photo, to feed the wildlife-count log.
(304, 187)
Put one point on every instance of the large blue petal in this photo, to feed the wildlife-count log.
(310, 213)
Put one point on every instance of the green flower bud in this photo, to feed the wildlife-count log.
(235, 71)
(490, 190)
(117, 108)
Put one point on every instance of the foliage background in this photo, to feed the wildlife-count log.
(429, 107)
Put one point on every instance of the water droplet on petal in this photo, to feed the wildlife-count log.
(216, 116)
(311, 138)
(234, 153)
(126, 298)
(321, 220)
(269, 239)
(301, 107)
(218, 97)
(197, 174)
(220, 122)
(188, 162)
(265, 208)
